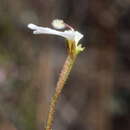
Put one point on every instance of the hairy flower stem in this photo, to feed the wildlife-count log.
(60, 85)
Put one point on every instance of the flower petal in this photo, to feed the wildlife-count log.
(73, 35)
(78, 36)
(42, 30)
(69, 34)
(32, 26)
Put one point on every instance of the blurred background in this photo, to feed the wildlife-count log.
(97, 93)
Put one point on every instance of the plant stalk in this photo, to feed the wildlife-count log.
(60, 85)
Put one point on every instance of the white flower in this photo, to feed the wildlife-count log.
(72, 36)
